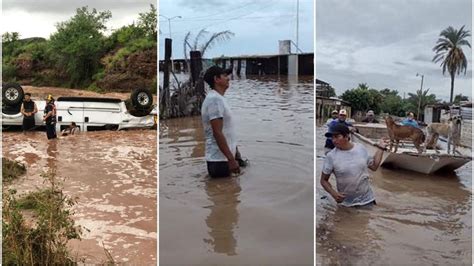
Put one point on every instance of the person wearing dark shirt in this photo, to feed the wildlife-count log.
(28, 109)
(50, 118)
(370, 117)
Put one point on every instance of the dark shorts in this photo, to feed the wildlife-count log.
(218, 169)
(28, 124)
(51, 131)
(368, 205)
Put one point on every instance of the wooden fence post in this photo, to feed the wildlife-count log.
(165, 97)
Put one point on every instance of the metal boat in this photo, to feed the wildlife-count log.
(407, 156)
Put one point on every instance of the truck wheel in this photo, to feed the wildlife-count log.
(142, 99)
(12, 93)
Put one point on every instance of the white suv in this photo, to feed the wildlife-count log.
(89, 113)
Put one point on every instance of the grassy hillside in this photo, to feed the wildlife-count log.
(79, 55)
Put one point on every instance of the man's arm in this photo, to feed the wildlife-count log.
(339, 197)
(22, 109)
(217, 125)
(382, 145)
(50, 113)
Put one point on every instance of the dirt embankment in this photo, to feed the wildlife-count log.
(136, 70)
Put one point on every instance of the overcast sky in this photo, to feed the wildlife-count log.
(386, 43)
(258, 25)
(33, 18)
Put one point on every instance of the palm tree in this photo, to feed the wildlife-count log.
(420, 100)
(215, 38)
(449, 52)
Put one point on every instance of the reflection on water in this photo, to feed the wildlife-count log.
(51, 151)
(223, 219)
(266, 214)
(419, 219)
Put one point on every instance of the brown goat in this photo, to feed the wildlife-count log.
(398, 132)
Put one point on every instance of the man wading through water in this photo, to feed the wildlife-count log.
(50, 118)
(350, 163)
(28, 109)
(222, 155)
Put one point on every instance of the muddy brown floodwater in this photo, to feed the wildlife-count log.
(262, 217)
(418, 220)
(114, 176)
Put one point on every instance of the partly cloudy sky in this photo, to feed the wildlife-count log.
(33, 18)
(386, 43)
(258, 25)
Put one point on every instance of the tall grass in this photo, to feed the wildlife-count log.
(41, 239)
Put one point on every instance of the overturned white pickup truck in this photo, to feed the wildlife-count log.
(89, 113)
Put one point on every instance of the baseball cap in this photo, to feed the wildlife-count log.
(334, 112)
(338, 129)
(343, 112)
(214, 71)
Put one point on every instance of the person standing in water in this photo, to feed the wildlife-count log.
(222, 154)
(50, 118)
(28, 109)
(349, 162)
(334, 115)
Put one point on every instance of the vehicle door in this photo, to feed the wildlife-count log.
(99, 114)
(68, 112)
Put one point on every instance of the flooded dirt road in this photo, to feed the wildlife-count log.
(262, 217)
(418, 220)
(113, 174)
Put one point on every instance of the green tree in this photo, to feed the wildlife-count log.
(419, 100)
(391, 103)
(363, 98)
(9, 40)
(459, 97)
(79, 45)
(449, 52)
(148, 22)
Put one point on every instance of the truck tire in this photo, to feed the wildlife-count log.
(142, 99)
(12, 94)
(11, 109)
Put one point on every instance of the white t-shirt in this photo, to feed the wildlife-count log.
(215, 106)
(352, 175)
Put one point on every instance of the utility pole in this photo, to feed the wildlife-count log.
(297, 34)
(419, 97)
(169, 28)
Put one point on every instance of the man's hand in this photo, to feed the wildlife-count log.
(339, 197)
(234, 167)
(383, 143)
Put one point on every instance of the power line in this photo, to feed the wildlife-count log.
(231, 10)
(230, 19)
(218, 19)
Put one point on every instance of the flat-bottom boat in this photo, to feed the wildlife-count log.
(407, 157)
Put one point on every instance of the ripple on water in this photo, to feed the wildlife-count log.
(269, 203)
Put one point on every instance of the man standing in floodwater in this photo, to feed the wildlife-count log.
(334, 115)
(222, 154)
(370, 117)
(350, 163)
(28, 109)
(50, 118)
